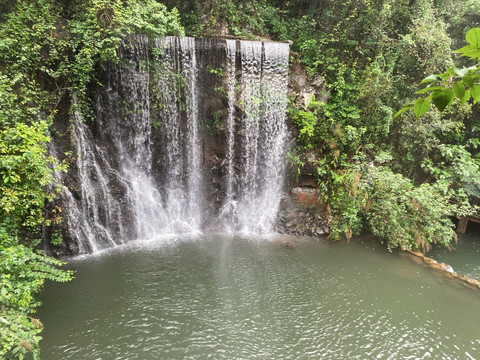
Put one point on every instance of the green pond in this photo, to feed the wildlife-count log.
(222, 297)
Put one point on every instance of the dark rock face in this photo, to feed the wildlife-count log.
(302, 88)
(302, 210)
(304, 213)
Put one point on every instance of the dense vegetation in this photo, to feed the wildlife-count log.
(402, 178)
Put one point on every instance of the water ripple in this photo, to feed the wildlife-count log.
(234, 299)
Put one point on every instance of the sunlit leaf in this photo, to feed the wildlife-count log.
(448, 73)
(466, 97)
(430, 78)
(421, 107)
(464, 71)
(473, 37)
(402, 110)
(469, 51)
(475, 91)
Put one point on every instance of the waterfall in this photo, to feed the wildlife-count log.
(96, 219)
(150, 160)
(227, 213)
(264, 79)
(176, 104)
(192, 139)
(130, 133)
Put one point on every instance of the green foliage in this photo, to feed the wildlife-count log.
(408, 216)
(56, 238)
(461, 84)
(25, 173)
(472, 50)
(455, 167)
(307, 121)
(394, 209)
(347, 202)
(22, 275)
(97, 27)
(425, 49)
(252, 19)
(151, 18)
(379, 79)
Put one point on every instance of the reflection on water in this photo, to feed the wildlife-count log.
(229, 298)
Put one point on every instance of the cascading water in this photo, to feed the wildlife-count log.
(129, 132)
(144, 166)
(264, 93)
(176, 111)
(94, 220)
(192, 139)
(227, 213)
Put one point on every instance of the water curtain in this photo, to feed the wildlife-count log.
(188, 135)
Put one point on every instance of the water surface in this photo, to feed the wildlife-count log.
(465, 257)
(228, 298)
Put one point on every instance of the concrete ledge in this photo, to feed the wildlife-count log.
(445, 269)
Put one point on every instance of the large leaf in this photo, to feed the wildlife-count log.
(421, 107)
(429, 88)
(466, 97)
(473, 37)
(441, 99)
(459, 90)
(430, 78)
(469, 51)
(448, 73)
(475, 91)
(402, 110)
(468, 80)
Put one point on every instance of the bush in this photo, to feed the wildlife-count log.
(408, 216)
(22, 275)
(392, 208)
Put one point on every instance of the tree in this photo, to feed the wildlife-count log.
(462, 84)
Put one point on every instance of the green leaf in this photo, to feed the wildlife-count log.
(473, 37)
(475, 93)
(466, 97)
(402, 110)
(421, 107)
(459, 90)
(468, 80)
(430, 78)
(429, 88)
(469, 51)
(441, 99)
(448, 73)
